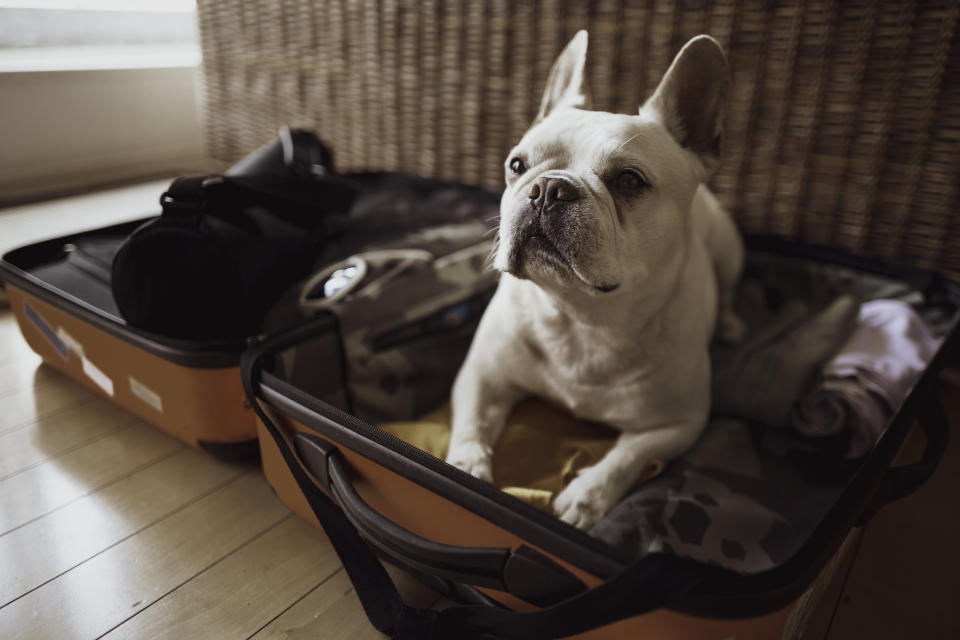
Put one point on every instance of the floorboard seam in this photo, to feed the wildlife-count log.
(152, 523)
(101, 487)
(20, 426)
(199, 573)
(33, 465)
(843, 586)
(295, 602)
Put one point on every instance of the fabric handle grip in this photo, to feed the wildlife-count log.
(472, 565)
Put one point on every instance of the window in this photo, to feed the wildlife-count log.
(96, 92)
(59, 34)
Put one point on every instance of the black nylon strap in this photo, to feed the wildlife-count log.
(416, 624)
(625, 595)
(379, 596)
(296, 199)
(647, 584)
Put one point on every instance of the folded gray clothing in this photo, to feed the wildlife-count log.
(747, 496)
(762, 377)
(863, 385)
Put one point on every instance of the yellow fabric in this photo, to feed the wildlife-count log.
(541, 450)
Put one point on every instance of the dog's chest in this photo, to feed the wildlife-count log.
(612, 404)
(589, 378)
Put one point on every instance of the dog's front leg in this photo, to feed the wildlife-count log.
(480, 411)
(597, 489)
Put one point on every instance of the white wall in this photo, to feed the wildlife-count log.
(66, 131)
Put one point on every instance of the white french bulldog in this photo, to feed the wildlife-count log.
(617, 264)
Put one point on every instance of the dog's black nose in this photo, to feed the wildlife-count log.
(552, 190)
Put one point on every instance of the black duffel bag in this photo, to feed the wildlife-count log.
(226, 246)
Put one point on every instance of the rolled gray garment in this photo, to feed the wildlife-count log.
(763, 377)
(863, 385)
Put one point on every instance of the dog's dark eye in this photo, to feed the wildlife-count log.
(517, 167)
(630, 179)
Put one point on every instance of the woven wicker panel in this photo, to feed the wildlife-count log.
(843, 128)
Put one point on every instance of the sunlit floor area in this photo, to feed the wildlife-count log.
(111, 529)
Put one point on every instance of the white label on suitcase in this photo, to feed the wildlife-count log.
(72, 343)
(146, 394)
(99, 377)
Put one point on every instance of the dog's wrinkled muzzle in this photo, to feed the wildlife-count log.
(544, 231)
(551, 232)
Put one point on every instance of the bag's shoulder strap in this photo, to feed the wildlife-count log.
(298, 199)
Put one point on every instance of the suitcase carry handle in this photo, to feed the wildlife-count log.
(525, 572)
(898, 482)
(645, 585)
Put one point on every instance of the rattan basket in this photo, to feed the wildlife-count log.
(843, 128)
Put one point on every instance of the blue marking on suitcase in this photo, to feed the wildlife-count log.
(45, 329)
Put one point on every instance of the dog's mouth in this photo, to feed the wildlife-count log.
(531, 248)
(540, 244)
(534, 246)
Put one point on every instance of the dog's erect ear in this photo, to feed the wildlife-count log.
(691, 99)
(565, 84)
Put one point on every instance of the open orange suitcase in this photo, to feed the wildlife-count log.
(60, 293)
(522, 572)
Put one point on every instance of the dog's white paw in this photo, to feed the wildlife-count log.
(730, 328)
(585, 500)
(474, 458)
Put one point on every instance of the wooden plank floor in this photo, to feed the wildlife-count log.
(111, 529)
